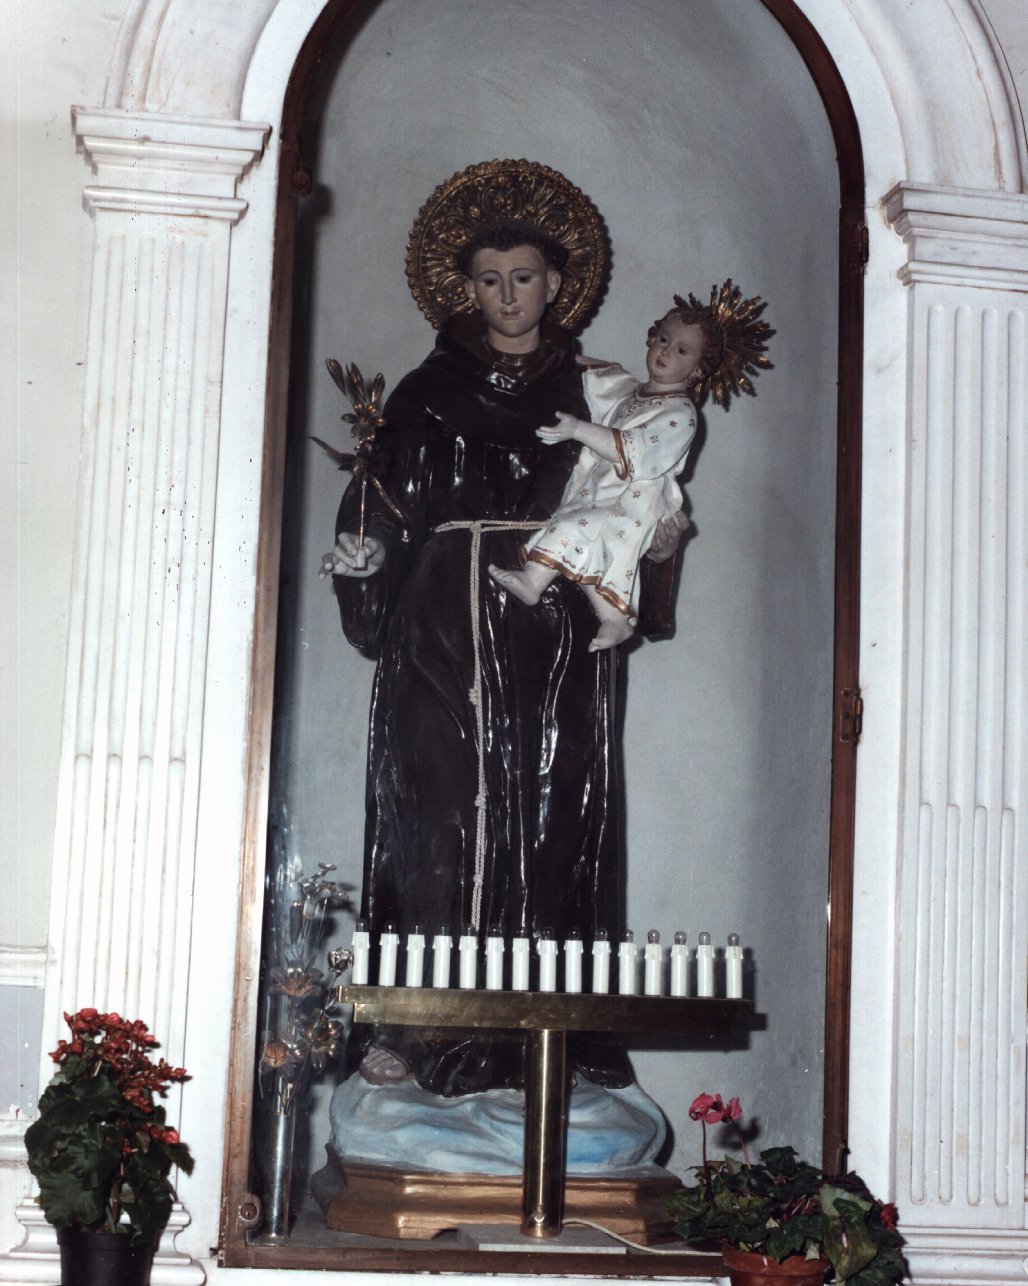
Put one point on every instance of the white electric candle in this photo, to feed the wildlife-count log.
(547, 963)
(494, 961)
(442, 949)
(601, 963)
(705, 967)
(626, 965)
(733, 968)
(468, 967)
(653, 959)
(573, 962)
(361, 954)
(388, 944)
(415, 957)
(520, 953)
(679, 966)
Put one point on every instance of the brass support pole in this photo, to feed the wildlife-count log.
(545, 1132)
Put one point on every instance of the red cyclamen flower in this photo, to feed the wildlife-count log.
(889, 1215)
(712, 1110)
(706, 1107)
(733, 1110)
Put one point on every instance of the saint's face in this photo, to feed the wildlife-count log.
(512, 289)
(674, 352)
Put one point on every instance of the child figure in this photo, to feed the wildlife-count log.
(623, 484)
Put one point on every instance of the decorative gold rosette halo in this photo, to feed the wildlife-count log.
(486, 193)
(745, 338)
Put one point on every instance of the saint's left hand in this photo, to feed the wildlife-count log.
(665, 539)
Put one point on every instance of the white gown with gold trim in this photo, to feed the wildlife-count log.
(609, 512)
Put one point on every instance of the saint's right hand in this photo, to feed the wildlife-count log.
(350, 558)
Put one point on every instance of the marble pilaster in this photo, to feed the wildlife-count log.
(959, 1102)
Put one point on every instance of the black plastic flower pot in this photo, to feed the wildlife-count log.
(102, 1259)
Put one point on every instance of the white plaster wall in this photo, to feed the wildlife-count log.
(727, 737)
(49, 59)
(45, 244)
(1009, 22)
(44, 260)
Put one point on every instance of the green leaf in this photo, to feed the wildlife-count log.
(782, 1243)
(779, 1160)
(849, 1249)
(852, 1211)
(93, 1158)
(835, 1200)
(179, 1157)
(148, 1204)
(812, 1225)
(66, 1202)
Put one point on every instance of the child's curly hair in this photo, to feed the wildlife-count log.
(713, 337)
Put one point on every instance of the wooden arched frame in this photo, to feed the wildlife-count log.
(294, 183)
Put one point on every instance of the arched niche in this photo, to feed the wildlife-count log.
(732, 735)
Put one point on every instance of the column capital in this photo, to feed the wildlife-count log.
(174, 165)
(960, 236)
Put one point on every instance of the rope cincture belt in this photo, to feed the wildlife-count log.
(477, 527)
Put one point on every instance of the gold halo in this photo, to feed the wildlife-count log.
(494, 190)
(745, 335)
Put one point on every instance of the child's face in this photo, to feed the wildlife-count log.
(674, 352)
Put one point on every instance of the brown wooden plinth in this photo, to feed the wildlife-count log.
(381, 1202)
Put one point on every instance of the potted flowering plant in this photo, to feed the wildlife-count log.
(100, 1150)
(781, 1219)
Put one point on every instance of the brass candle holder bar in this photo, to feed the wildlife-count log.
(546, 1018)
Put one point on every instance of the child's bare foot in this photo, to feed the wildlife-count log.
(521, 584)
(382, 1067)
(614, 630)
(615, 625)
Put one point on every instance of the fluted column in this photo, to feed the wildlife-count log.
(959, 1083)
(164, 203)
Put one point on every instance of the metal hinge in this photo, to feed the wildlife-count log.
(859, 249)
(863, 243)
(851, 715)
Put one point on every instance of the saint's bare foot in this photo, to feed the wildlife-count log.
(382, 1067)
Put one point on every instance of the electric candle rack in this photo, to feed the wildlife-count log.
(546, 1016)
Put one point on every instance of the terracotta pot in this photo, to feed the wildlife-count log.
(102, 1259)
(747, 1268)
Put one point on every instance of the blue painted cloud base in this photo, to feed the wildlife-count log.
(405, 1127)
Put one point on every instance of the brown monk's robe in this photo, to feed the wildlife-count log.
(460, 444)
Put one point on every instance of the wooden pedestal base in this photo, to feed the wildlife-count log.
(382, 1202)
